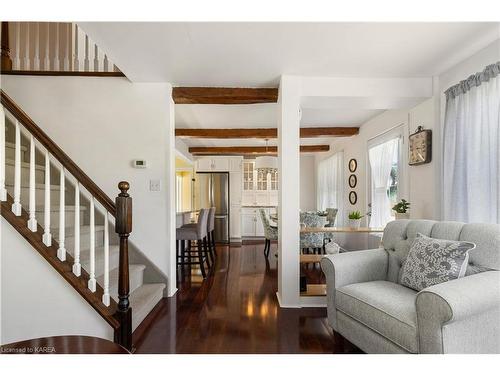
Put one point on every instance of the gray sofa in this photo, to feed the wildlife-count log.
(368, 306)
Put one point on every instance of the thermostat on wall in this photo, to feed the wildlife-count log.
(139, 163)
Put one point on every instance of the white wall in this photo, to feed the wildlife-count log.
(103, 124)
(307, 183)
(40, 302)
(418, 181)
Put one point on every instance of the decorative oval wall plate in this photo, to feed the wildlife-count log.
(353, 165)
(353, 197)
(353, 180)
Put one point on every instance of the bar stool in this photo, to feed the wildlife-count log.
(198, 233)
(211, 234)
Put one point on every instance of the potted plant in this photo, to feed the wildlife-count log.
(355, 219)
(401, 209)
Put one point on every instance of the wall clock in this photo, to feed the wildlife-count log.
(353, 180)
(420, 147)
(353, 164)
(353, 197)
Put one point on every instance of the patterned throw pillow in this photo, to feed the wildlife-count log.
(432, 261)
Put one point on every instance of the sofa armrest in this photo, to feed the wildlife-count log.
(350, 268)
(460, 315)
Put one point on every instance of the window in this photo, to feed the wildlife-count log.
(330, 185)
(385, 170)
(261, 180)
(274, 181)
(248, 178)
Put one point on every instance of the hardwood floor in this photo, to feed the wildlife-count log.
(235, 310)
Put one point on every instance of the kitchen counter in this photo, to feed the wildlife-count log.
(258, 206)
(186, 212)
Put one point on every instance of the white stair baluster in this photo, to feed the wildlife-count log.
(46, 61)
(17, 55)
(3, 191)
(16, 206)
(32, 223)
(61, 251)
(36, 58)
(106, 63)
(76, 62)
(96, 58)
(27, 48)
(57, 66)
(86, 61)
(47, 236)
(105, 296)
(92, 281)
(77, 267)
(67, 48)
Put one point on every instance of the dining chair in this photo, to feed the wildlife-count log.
(270, 232)
(311, 241)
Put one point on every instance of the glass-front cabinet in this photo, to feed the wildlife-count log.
(259, 188)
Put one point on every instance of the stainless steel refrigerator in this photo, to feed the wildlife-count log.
(212, 190)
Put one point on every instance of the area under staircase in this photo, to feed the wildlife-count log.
(71, 222)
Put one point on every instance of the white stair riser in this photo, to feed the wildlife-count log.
(39, 195)
(10, 153)
(25, 174)
(69, 218)
(99, 261)
(69, 243)
(136, 279)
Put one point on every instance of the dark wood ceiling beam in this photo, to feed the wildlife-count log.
(265, 133)
(251, 150)
(224, 95)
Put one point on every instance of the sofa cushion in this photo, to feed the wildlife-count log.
(385, 307)
(433, 261)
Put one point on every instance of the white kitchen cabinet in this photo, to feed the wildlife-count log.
(262, 198)
(247, 223)
(220, 165)
(235, 184)
(236, 164)
(204, 165)
(235, 222)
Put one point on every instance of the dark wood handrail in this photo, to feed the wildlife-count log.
(58, 153)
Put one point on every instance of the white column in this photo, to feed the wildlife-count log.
(47, 236)
(61, 251)
(96, 58)
(46, 61)
(57, 66)
(36, 58)
(16, 206)
(3, 191)
(105, 295)
(289, 191)
(77, 267)
(92, 281)
(32, 223)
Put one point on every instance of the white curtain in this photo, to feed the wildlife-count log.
(381, 158)
(471, 143)
(330, 185)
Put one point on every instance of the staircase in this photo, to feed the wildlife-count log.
(70, 221)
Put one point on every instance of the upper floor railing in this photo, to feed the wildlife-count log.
(52, 47)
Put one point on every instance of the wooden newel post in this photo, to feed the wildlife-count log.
(6, 61)
(123, 226)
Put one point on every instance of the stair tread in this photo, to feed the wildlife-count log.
(55, 208)
(13, 145)
(143, 300)
(99, 252)
(24, 164)
(113, 275)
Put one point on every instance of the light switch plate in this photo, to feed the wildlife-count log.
(154, 185)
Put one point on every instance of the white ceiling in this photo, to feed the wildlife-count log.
(256, 54)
